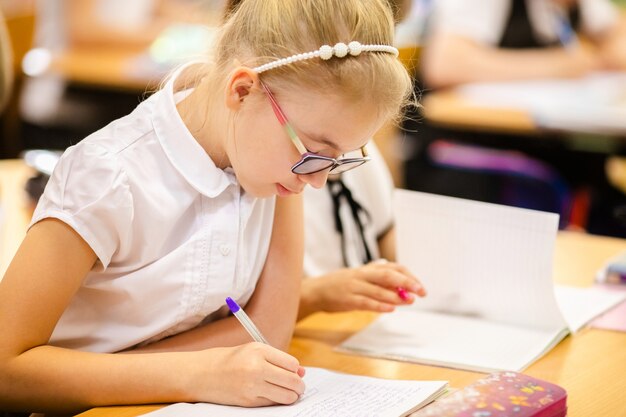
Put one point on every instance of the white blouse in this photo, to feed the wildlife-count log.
(174, 234)
(371, 186)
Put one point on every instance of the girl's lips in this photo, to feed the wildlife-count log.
(283, 191)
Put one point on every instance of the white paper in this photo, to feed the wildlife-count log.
(330, 394)
(452, 341)
(581, 305)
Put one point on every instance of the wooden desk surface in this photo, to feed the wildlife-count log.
(128, 70)
(447, 108)
(590, 365)
(14, 211)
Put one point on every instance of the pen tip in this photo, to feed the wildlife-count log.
(232, 305)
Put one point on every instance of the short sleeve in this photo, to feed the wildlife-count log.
(598, 16)
(89, 191)
(480, 20)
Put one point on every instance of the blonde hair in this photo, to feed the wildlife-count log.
(260, 31)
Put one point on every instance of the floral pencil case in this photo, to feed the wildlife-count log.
(501, 394)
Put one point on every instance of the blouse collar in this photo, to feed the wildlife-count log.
(183, 150)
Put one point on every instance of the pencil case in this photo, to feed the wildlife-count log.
(501, 394)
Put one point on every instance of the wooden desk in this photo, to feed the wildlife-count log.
(590, 365)
(14, 211)
(128, 70)
(447, 108)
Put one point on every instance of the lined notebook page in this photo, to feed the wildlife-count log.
(330, 394)
(479, 259)
(488, 272)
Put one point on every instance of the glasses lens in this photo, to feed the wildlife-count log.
(311, 165)
(347, 165)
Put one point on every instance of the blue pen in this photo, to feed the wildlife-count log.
(245, 321)
(565, 32)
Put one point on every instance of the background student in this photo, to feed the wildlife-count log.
(492, 40)
(148, 224)
(507, 40)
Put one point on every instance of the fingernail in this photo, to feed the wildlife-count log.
(402, 293)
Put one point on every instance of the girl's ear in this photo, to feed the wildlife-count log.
(239, 86)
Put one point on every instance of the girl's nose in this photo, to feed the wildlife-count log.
(316, 180)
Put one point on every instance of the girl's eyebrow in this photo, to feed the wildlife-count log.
(323, 140)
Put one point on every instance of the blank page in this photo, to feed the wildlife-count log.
(581, 305)
(453, 341)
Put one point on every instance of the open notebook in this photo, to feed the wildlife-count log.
(491, 303)
(330, 394)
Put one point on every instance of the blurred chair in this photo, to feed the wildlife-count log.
(6, 64)
(521, 181)
(17, 35)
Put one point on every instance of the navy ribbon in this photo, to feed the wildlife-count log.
(339, 192)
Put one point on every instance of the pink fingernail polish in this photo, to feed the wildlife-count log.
(402, 293)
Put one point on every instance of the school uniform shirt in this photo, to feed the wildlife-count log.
(371, 186)
(485, 21)
(174, 234)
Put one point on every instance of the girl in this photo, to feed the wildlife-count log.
(348, 224)
(148, 224)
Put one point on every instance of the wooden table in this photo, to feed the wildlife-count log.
(448, 108)
(590, 365)
(15, 211)
(117, 69)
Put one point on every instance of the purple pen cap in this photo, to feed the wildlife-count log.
(234, 307)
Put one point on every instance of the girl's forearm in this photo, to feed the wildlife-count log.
(51, 379)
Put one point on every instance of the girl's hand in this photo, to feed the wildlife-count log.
(249, 375)
(371, 287)
(581, 60)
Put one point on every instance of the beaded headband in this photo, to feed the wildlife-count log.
(326, 52)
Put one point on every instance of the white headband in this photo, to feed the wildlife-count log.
(326, 52)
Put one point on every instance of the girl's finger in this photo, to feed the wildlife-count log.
(394, 279)
(384, 294)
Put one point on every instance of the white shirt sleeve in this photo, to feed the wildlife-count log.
(481, 20)
(597, 16)
(89, 192)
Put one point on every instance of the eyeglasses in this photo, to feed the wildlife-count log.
(310, 162)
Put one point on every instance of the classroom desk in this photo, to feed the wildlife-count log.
(120, 69)
(590, 365)
(14, 209)
(448, 108)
